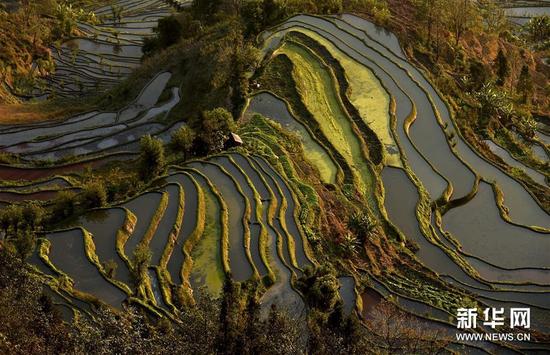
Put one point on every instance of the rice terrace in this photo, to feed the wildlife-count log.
(275, 177)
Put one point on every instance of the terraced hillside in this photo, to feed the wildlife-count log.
(350, 182)
(106, 52)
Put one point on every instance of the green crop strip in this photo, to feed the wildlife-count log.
(124, 233)
(162, 274)
(316, 88)
(278, 78)
(209, 258)
(365, 91)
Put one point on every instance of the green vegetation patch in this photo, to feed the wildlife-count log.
(207, 258)
(365, 93)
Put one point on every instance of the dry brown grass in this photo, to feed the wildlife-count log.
(25, 113)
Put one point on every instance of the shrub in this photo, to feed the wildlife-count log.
(215, 126)
(152, 162)
(94, 195)
(182, 140)
(320, 287)
(64, 206)
(33, 215)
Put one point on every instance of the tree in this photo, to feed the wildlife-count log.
(494, 17)
(168, 32)
(15, 217)
(183, 139)
(33, 215)
(502, 68)
(94, 195)
(320, 287)
(398, 332)
(460, 16)
(206, 8)
(110, 267)
(493, 103)
(478, 74)
(361, 222)
(525, 84)
(215, 127)
(538, 28)
(152, 162)
(140, 262)
(29, 323)
(64, 206)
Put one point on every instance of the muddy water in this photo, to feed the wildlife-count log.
(240, 266)
(400, 201)
(99, 48)
(278, 198)
(281, 293)
(103, 225)
(144, 207)
(253, 174)
(482, 232)
(68, 254)
(80, 126)
(157, 292)
(54, 183)
(164, 230)
(492, 273)
(270, 106)
(347, 293)
(256, 226)
(34, 133)
(191, 202)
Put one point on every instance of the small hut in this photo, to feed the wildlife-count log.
(234, 140)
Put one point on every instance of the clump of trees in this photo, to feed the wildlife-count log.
(183, 140)
(233, 324)
(168, 32)
(320, 287)
(152, 160)
(20, 225)
(538, 29)
(214, 128)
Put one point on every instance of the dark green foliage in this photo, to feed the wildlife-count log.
(320, 287)
(206, 9)
(64, 206)
(152, 161)
(493, 104)
(182, 140)
(215, 127)
(361, 223)
(94, 195)
(525, 84)
(478, 74)
(168, 32)
(28, 322)
(538, 28)
(502, 68)
(33, 215)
